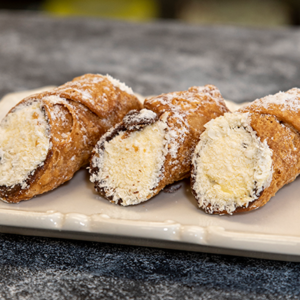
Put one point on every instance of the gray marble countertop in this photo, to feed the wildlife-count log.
(36, 50)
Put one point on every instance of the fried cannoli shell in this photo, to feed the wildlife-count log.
(275, 121)
(184, 115)
(187, 112)
(78, 114)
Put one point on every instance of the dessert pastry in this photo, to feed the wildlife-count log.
(245, 157)
(152, 148)
(48, 136)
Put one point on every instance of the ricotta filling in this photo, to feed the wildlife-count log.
(24, 143)
(232, 166)
(132, 164)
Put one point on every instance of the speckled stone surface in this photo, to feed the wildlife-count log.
(42, 268)
(36, 50)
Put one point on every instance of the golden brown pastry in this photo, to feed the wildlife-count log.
(245, 157)
(47, 137)
(152, 148)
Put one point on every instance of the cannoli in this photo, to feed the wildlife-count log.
(245, 157)
(152, 148)
(48, 136)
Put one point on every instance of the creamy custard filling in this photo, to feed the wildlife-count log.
(231, 165)
(132, 164)
(24, 143)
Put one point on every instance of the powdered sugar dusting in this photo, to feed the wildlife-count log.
(135, 120)
(181, 105)
(83, 85)
(122, 86)
(56, 113)
(175, 136)
(187, 102)
(99, 94)
(289, 100)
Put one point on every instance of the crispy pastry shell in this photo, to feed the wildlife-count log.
(276, 120)
(91, 105)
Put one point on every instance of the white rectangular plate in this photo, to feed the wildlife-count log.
(168, 220)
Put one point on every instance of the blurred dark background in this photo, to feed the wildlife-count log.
(256, 13)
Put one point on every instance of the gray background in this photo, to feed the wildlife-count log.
(151, 58)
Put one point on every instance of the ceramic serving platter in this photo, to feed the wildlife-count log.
(169, 220)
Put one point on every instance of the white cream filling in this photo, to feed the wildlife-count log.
(24, 143)
(132, 164)
(232, 166)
